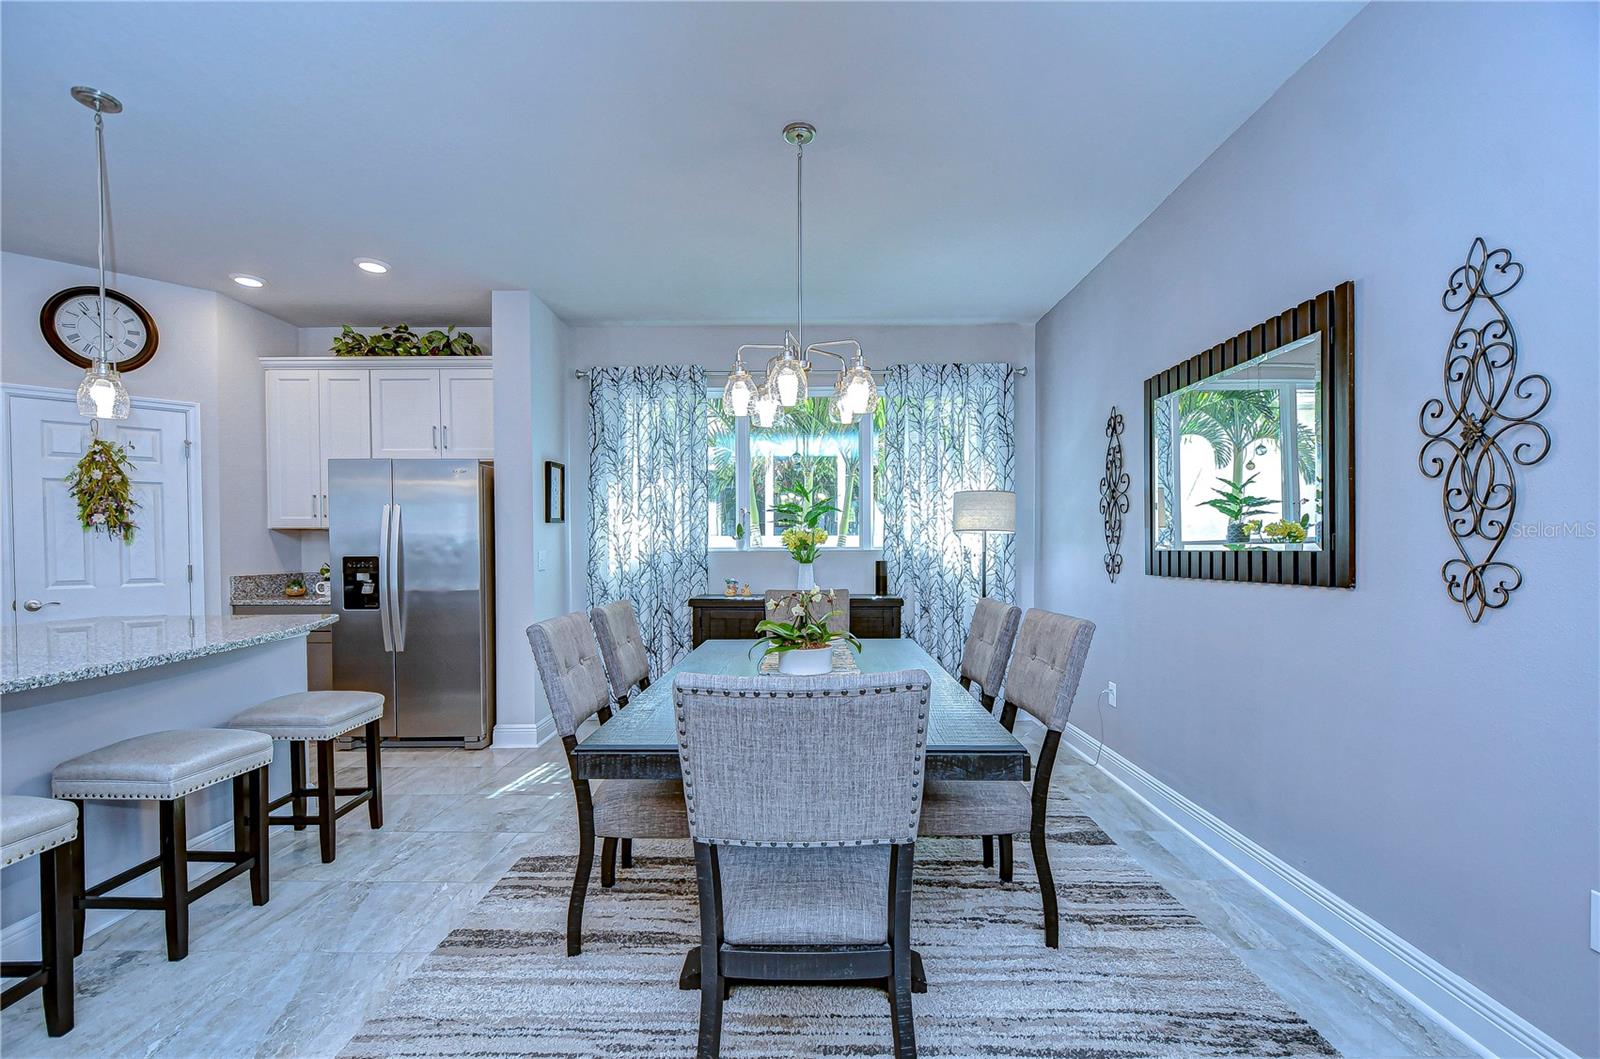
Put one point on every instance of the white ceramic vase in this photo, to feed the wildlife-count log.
(807, 578)
(813, 662)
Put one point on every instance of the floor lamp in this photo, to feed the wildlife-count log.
(985, 511)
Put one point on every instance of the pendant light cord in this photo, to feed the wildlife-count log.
(100, 247)
(800, 248)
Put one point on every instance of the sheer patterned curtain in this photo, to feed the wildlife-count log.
(647, 499)
(949, 427)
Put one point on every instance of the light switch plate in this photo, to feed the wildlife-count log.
(1594, 920)
(1111, 694)
(542, 562)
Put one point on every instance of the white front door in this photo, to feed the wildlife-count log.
(58, 571)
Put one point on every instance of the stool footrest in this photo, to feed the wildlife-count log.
(35, 978)
(96, 896)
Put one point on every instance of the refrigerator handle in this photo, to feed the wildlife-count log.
(397, 592)
(383, 580)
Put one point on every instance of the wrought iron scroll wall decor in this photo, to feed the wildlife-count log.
(1482, 430)
(1114, 494)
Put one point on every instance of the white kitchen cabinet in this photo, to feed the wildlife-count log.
(325, 408)
(405, 414)
(466, 414)
(344, 419)
(294, 467)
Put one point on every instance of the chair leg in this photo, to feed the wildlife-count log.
(175, 877)
(1047, 885)
(713, 987)
(326, 824)
(580, 882)
(988, 851)
(905, 1035)
(608, 864)
(625, 849)
(1005, 858)
(374, 776)
(243, 806)
(77, 884)
(56, 937)
(297, 780)
(260, 844)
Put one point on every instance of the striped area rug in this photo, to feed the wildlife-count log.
(1136, 975)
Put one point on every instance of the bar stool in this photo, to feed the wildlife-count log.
(320, 717)
(167, 767)
(30, 827)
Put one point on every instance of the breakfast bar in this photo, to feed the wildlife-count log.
(70, 687)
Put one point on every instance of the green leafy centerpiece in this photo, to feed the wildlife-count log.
(100, 487)
(804, 534)
(796, 630)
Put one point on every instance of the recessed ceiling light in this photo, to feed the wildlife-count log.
(372, 265)
(244, 280)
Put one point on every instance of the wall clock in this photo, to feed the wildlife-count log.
(70, 321)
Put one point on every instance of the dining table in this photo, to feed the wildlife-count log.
(640, 741)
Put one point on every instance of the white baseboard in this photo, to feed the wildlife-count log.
(24, 933)
(518, 736)
(1438, 993)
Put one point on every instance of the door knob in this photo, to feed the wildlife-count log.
(33, 605)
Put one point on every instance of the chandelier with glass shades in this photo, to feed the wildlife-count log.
(784, 381)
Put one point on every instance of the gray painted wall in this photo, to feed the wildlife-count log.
(1438, 775)
(713, 348)
(207, 354)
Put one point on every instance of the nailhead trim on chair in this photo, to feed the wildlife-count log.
(61, 840)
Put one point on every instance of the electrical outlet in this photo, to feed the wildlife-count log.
(1594, 920)
(1111, 693)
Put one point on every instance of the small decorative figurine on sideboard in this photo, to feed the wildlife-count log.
(1482, 430)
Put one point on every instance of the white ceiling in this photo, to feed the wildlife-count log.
(973, 161)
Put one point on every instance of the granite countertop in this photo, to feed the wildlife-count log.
(266, 590)
(59, 652)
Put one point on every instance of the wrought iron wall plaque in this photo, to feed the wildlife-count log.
(1482, 430)
(1114, 494)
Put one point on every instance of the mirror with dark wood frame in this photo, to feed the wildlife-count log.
(1249, 449)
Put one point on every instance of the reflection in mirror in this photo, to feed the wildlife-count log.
(1238, 456)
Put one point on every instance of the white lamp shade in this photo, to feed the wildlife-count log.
(990, 510)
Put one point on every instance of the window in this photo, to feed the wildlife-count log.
(752, 469)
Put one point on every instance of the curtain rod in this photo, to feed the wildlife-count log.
(583, 373)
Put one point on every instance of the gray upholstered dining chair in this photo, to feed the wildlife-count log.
(574, 681)
(841, 602)
(616, 627)
(1043, 680)
(984, 660)
(803, 797)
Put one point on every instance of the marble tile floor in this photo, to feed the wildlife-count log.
(298, 976)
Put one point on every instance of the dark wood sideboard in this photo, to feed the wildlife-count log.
(735, 617)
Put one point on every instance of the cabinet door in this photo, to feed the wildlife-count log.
(405, 414)
(466, 413)
(294, 462)
(345, 416)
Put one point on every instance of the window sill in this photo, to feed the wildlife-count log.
(770, 550)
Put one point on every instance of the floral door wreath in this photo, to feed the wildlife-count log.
(100, 487)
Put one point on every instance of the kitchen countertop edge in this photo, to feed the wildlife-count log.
(276, 627)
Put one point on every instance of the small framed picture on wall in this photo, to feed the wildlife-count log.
(555, 491)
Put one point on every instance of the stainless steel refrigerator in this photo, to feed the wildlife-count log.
(413, 585)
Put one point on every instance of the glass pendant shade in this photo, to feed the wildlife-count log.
(786, 377)
(858, 389)
(765, 407)
(101, 394)
(739, 392)
(839, 410)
